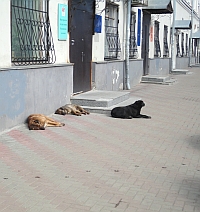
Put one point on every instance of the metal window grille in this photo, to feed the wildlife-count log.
(192, 48)
(32, 41)
(112, 41)
(186, 45)
(182, 45)
(133, 52)
(157, 52)
(165, 46)
(195, 47)
(178, 54)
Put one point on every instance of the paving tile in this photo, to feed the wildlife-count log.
(97, 163)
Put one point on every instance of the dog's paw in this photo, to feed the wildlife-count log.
(149, 117)
(63, 124)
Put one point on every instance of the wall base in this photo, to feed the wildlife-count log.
(34, 89)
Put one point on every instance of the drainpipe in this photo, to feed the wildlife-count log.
(127, 78)
(190, 52)
(173, 64)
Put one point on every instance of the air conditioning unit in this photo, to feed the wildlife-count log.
(139, 3)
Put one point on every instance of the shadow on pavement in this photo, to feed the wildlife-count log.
(194, 141)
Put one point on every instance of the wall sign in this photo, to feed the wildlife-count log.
(97, 23)
(151, 34)
(62, 21)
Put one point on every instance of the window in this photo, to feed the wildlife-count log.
(157, 52)
(186, 45)
(195, 47)
(192, 44)
(177, 46)
(182, 45)
(31, 36)
(165, 46)
(112, 42)
(133, 52)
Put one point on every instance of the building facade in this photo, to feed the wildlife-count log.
(186, 24)
(52, 49)
(150, 51)
(35, 73)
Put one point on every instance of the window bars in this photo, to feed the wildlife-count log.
(32, 41)
(157, 52)
(192, 43)
(112, 41)
(182, 45)
(165, 46)
(186, 45)
(178, 54)
(133, 52)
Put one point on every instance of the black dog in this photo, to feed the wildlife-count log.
(130, 111)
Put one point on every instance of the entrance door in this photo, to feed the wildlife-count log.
(145, 42)
(81, 15)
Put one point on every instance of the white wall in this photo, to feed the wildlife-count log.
(61, 47)
(139, 48)
(122, 26)
(182, 12)
(5, 38)
(98, 38)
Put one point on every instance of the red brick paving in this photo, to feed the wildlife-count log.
(100, 164)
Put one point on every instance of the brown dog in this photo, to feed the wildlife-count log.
(71, 109)
(40, 122)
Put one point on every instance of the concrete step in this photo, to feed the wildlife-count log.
(181, 71)
(154, 79)
(107, 110)
(171, 81)
(98, 98)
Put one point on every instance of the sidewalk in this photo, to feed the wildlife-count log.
(100, 164)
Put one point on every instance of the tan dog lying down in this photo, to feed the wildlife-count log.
(71, 109)
(40, 122)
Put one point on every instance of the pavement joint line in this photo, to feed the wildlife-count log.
(110, 164)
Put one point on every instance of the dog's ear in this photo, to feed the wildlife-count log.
(140, 103)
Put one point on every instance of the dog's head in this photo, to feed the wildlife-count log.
(61, 111)
(139, 104)
(35, 124)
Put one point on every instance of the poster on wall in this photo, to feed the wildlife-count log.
(97, 23)
(62, 21)
(139, 27)
(151, 34)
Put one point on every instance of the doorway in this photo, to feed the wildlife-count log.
(81, 16)
(145, 42)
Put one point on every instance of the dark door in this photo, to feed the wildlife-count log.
(81, 16)
(145, 42)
